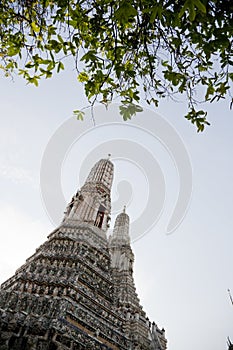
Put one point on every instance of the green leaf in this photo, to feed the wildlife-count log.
(128, 110)
(83, 77)
(29, 65)
(89, 56)
(60, 66)
(210, 91)
(35, 27)
(200, 6)
(192, 11)
(60, 38)
(154, 13)
(125, 11)
(183, 9)
(198, 118)
(13, 51)
(79, 114)
(230, 76)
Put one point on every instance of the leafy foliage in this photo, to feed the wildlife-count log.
(127, 49)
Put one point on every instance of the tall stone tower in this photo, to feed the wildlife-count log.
(77, 291)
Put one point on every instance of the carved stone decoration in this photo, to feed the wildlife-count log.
(77, 291)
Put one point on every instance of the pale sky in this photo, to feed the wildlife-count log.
(181, 278)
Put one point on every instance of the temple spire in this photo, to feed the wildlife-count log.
(121, 229)
(92, 204)
(101, 173)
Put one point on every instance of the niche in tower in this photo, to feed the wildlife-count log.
(100, 216)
